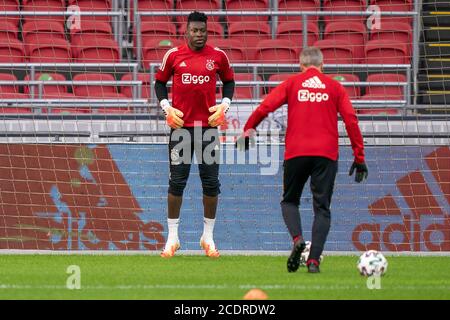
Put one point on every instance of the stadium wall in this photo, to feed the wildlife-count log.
(113, 197)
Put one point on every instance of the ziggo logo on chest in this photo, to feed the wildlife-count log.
(187, 78)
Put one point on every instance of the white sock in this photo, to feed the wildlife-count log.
(208, 229)
(172, 224)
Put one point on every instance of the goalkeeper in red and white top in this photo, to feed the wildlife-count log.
(314, 102)
(193, 68)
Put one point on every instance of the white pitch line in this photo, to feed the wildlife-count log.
(219, 287)
(201, 252)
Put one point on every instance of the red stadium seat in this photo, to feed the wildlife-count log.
(386, 52)
(233, 49)
(246, 5)
(44, 5)
(197, 5)
(90, 30)
(146, 85)
(155, 6)
(8, 89)
(152, 30)
(49, 91)
(31, 31)
(244, 91)
(377, 92)
(8, 30)
(92, 6)
(378, 111)
(10, 5)
(52, 91)
(395, 32)
(113, 110)
(380, 92)
(354, 92)
(352, 32)
(388, 93)
(67, 110)
(11, 51)
(293, 31)
(106, 91)
(50, 50)
(15, 110)
(298, 5)
(344, 5)
(11, 92)
(394, 5)
(96, 51)
(276, 51)
(279, 77)
(215, 30)
(249, 34)
(336, 51)
(153, 50)
(41, 33)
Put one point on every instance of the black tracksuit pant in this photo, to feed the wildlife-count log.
(323, 174)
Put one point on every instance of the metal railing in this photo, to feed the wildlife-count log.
(304, 15)
(71, 67)
(258, 85)
(136, 85)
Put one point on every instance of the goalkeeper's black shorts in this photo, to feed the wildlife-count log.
(183, 143)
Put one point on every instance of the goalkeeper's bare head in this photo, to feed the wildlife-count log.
(196, 31)
(311, 57)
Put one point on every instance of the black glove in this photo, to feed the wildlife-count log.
(361, 171)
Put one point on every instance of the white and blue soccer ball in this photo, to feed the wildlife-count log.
(305, 254)
(372, 263)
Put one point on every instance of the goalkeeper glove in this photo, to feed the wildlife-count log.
(361, 171)
(246, 140)
(218, 117)
(173, 115)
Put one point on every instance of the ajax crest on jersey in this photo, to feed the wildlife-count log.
(210, 65)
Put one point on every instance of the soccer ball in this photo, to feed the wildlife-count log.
(371, 263)
(45, 77)
(305, 254)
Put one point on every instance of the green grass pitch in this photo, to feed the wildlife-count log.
(229, 277)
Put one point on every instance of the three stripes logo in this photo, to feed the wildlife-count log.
(421, 201)
(313, 83)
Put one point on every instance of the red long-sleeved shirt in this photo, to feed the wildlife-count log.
(194, 80)
(314, 101)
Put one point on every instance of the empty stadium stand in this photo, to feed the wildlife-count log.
(336, 51)
(233, 48)
(246, 39)
(354, 92)
(298, 5)
(276, 51)
(293, 31)
(43, 5)
(434, 77)
(145, 88)
(245, 91)
(353, 33)
(246, 5)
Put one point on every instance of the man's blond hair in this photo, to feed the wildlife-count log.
(311, 56)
